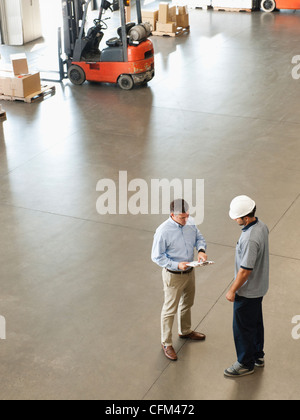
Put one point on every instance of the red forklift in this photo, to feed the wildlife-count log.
(127, 59)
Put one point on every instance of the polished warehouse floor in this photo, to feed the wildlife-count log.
(79, 293)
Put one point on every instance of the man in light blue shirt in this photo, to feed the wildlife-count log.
(173, 248)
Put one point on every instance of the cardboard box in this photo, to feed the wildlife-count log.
(169, 27)
(172, 14)
(182, 21)
(163, 15)
(150, 17)
(27, 85)
(19, 63)
(19, 86)
(147, 14)
(182, 10)
(151, 22)
(19, 83)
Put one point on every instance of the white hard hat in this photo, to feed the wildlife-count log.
(241, 206)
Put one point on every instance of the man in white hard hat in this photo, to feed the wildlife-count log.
(251, 284)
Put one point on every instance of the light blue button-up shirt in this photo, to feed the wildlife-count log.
(174, 243)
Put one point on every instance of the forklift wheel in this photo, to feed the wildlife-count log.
(125, 82)
(77, 75)
(268, 5)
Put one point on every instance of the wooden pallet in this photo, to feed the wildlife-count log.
(3, 116)
(229, 9)
(46, 90)
(179, 32)
(191, 6)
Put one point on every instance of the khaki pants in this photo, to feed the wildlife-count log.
(179, 290)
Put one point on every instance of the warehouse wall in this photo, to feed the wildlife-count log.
(31, 18)
(20, 21)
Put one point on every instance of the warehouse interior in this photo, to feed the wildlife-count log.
(79, 293)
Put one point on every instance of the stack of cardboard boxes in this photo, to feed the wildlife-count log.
(20, 83)
(167, 20)
(182, 17)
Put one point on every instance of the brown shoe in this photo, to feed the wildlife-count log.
(169, 352)
(194, 336)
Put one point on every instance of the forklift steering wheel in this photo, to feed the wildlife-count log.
(101, 23)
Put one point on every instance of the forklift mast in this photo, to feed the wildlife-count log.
(74, 19)
(72, 16)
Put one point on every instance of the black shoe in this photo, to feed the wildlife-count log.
(260, 362)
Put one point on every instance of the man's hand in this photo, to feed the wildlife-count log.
(230, 296)
(202, 257)
(241, 278)
(183, 266)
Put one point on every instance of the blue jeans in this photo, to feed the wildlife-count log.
(248, 330)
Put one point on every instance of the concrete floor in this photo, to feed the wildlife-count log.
(79, 293)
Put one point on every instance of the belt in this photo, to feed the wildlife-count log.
(180, 272)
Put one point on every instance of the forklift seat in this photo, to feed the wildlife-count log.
(117, 42)
(114, 42)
